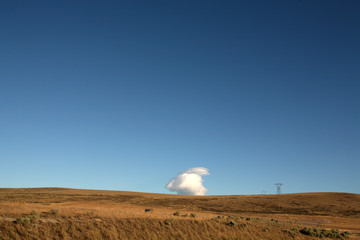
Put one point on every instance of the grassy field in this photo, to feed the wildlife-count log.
(58, 213)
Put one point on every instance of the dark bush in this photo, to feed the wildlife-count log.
(232, 223)
(322, 233)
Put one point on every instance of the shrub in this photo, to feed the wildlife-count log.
(23, 220)
(293, 232)
(232, 217)
(321, 233)
(90, 213)
(54, 212)
(193, 215)
(232, 223)
(346, 233)
(217, 219)
(31, 218)
(34, 214)
(306, 231)
(168, 222)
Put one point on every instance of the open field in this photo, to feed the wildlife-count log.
(60, 213)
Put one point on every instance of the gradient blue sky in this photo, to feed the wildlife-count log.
(125, 94)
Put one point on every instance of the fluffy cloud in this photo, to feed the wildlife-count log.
(189, 182)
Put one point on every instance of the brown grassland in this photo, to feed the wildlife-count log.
(59, 213)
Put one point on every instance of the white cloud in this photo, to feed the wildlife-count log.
(189, 182)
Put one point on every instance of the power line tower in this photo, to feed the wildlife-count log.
(278, 187)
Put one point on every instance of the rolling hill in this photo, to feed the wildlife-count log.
(61, 213)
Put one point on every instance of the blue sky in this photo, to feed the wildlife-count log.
(125, 94)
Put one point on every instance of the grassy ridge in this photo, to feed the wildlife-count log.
(324, 204)
(85, 227)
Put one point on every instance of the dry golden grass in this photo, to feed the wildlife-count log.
(95, 214)
(84, 227)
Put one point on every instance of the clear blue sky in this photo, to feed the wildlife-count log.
(125, 94)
